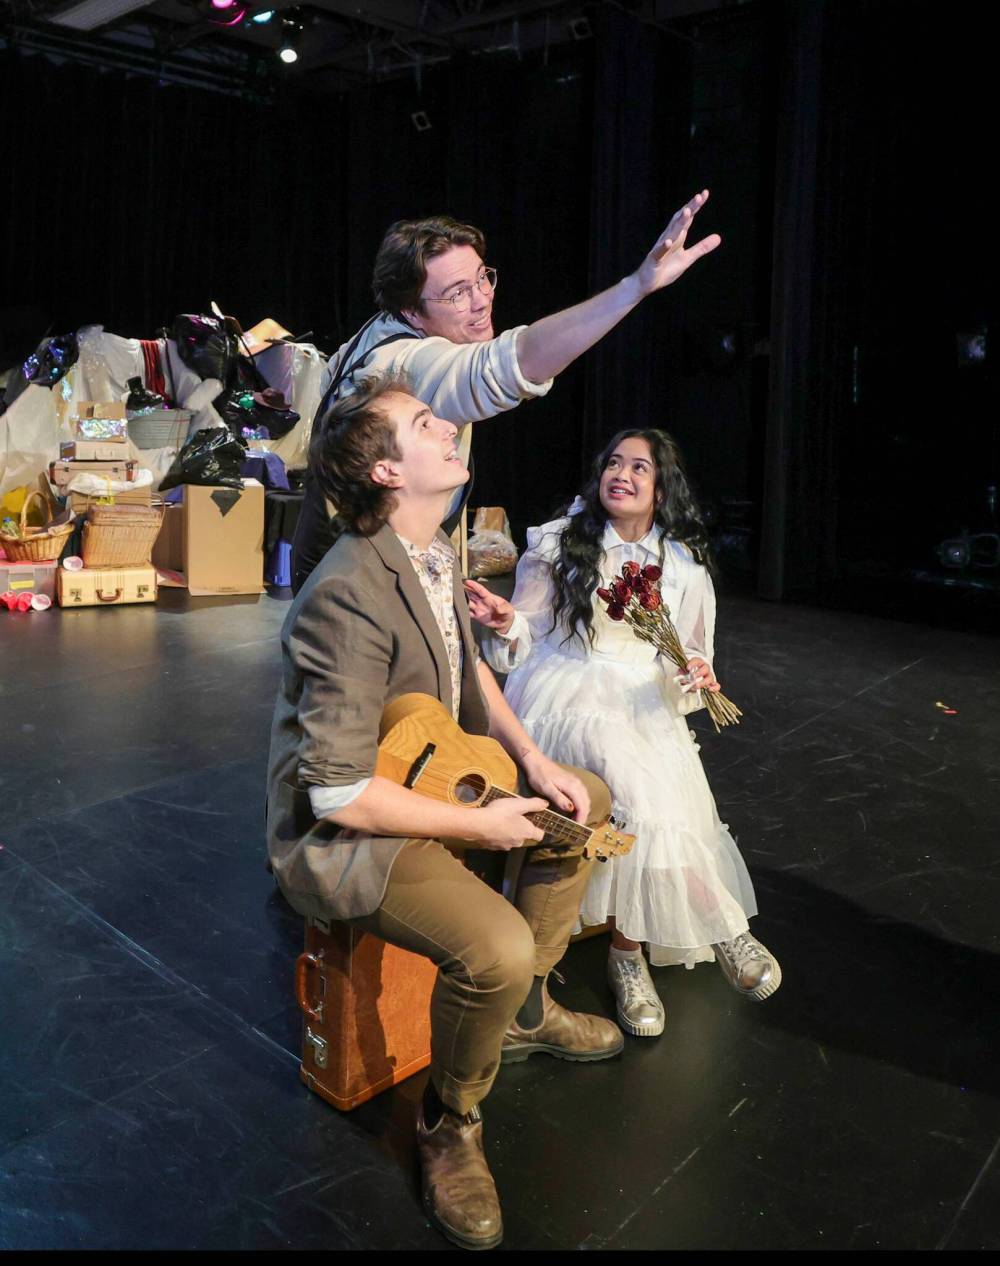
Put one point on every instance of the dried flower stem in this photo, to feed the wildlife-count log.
(636, 598)
(657, 628)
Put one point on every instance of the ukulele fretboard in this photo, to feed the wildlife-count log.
(554, 825)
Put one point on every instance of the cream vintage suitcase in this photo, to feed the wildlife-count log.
(106, 586)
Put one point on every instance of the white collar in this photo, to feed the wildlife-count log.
(650, 543)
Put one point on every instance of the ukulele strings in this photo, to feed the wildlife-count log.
(552, 823)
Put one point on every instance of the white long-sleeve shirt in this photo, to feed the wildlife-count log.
(686, 588)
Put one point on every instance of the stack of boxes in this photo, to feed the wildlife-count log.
(210, 541)
(100, 447)
(121, 525)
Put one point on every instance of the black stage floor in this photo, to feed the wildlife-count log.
(149, 1044)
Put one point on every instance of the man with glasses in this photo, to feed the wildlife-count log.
(434, 293)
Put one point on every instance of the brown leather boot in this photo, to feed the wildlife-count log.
(459, 1195)
(565, 1034)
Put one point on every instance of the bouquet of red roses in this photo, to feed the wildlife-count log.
(635, 597)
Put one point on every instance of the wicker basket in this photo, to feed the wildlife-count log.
(120, 536)
(160, 428)
(36, 544)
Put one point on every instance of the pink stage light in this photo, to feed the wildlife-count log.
(229, 12)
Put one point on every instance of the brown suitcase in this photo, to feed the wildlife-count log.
(366, 1013)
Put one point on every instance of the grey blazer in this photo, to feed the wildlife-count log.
(360, 633)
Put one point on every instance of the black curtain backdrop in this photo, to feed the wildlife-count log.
(878, 444)
(128, 201)
(642, 116)
(795, 541)
(808, 368)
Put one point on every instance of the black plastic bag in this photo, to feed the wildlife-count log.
(242, 409)
(205, 345)
(46, 365)
(211, 456)
(51, 359)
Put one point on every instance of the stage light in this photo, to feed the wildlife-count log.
(291, 36)
(972, 347)
(263, 17)
(980, 549)
(226, 12)
(955, 553)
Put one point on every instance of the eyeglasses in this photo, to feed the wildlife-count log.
(461, 300)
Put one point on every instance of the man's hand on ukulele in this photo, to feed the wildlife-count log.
(504, 824)
(564, 790)
(488, 608)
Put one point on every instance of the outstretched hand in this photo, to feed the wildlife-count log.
(671, 257)
(488, 608)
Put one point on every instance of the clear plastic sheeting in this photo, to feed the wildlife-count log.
(98, 486)
(107, 362)
(298, 378)
(30, 433)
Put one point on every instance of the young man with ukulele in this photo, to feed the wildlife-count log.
(383, 615)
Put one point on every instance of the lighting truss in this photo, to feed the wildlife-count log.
(90, 14)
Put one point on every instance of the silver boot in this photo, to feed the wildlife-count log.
(640, 1011)
(750, 967)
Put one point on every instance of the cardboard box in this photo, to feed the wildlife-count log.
(86, 409)
(213, 541)
(28, 577)
(137, 497)
(223, 531)
(168, 549)
(92, 451)
(106, 586)
(102, 423)
(61, 472)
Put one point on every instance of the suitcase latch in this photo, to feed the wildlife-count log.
(319, 1045)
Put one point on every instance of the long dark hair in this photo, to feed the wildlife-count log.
(675, 513)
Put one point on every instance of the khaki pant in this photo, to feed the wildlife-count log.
(487, 949)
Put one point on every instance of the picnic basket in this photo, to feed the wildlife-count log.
(120, 535)
(36, 544)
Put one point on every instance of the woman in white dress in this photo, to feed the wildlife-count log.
(591, 694)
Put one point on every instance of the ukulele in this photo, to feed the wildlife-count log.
(423, 748)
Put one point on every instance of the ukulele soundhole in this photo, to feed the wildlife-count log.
(470, 788)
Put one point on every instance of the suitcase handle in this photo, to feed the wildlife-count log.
(304, 964)
(103, 597)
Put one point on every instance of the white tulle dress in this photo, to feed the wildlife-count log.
(614, 709)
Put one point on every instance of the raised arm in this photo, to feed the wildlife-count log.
(545, 348)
